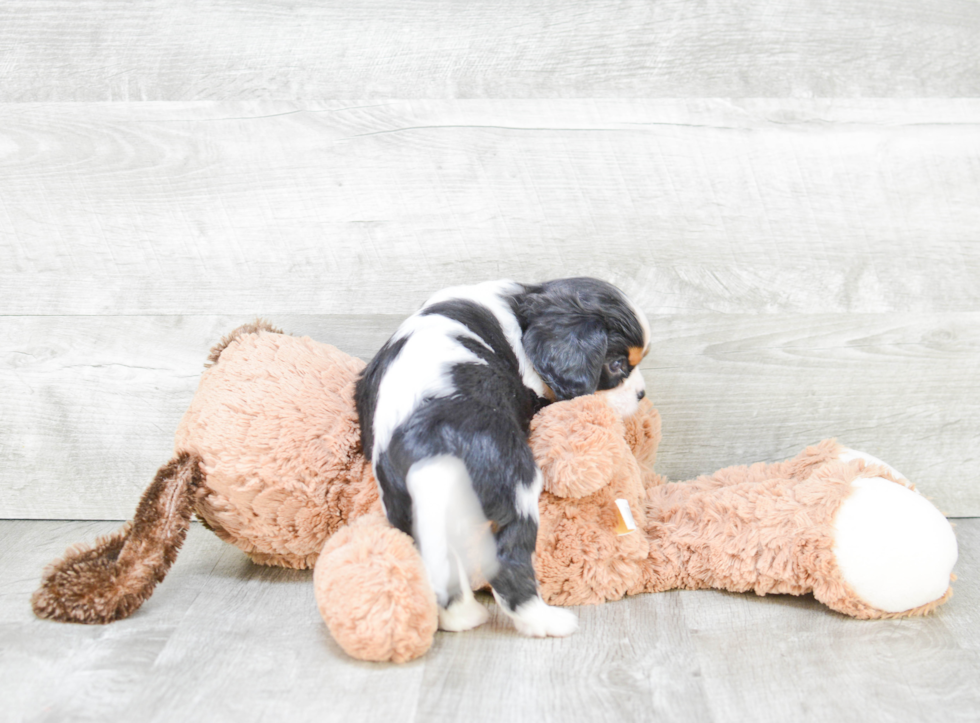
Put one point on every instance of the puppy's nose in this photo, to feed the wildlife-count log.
(640, 394)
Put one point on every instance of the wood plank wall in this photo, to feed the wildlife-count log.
(791, 190)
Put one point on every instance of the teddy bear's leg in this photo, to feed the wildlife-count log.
(863, 544)
(798, 467)
(373, 592)
(111, 579)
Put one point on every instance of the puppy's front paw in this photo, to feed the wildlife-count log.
(537, 619)
(463, 614)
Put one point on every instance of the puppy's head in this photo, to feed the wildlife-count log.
(583, 336)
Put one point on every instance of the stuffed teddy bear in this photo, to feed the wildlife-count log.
(268, 456)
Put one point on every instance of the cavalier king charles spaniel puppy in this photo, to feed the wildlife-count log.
(445, 408)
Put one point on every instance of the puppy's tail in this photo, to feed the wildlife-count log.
(110, 580)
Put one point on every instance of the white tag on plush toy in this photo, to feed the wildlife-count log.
(626, 522)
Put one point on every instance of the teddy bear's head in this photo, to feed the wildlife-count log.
(591, 540)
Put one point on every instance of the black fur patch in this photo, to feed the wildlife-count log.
(574, 330)
(366, 391)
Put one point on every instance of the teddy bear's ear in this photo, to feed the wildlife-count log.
(579, 445)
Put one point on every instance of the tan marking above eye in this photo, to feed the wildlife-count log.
(636, 355)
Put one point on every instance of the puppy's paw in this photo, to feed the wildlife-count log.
(537, 619)
(465, 613)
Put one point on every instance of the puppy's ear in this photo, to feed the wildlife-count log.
(567, 354)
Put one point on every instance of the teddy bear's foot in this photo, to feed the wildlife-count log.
(373, 592)
(892, 546)
(465, 613)
(537, 619)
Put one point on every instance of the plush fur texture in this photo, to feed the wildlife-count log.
(273, 423)
(252, 328)
(765, 528)
(393, 615)
(269, 456)
(109, 580)
(587, 465)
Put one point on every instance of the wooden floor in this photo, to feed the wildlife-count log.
(223, 639)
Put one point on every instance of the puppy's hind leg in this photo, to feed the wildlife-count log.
(515, 587)
(463, 612)
(446, 514)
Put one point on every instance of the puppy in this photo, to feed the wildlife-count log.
(445, 408)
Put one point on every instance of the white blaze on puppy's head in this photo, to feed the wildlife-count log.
(625, 398)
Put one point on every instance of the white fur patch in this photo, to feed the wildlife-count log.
(449, 526)
(491, 295)
(892, 546)
(537, 619)
(421, 369)
(527, 496)
(464, 613)
(625, 398)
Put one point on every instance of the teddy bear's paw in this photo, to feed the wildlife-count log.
(537, 619)
(893, 547)
(465, 613)
(848, 455)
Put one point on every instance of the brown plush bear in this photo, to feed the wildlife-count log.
(268, 456)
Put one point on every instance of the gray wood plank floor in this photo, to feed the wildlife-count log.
(223, 639)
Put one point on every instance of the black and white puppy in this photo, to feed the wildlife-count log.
(445, 409)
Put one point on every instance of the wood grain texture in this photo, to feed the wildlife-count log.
(766, 206)
(92, 402)
(231, 50)
(835, 668)
(966, 625)
(224, 640)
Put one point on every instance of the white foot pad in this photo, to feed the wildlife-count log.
(537, 619)
(465, 613)
(893, 547)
